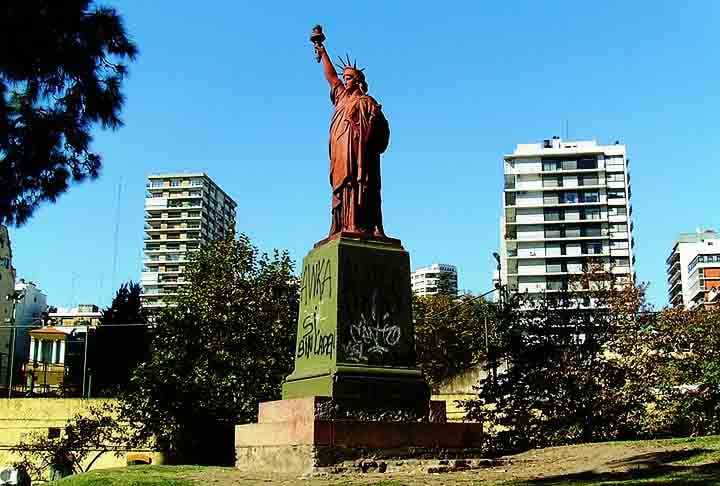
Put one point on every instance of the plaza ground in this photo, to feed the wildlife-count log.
(694, 461)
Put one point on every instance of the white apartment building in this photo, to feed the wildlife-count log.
(693, 268)
(427, 280)
(182, 211)
(566, 204)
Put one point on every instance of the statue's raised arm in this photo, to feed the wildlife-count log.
(317, 38)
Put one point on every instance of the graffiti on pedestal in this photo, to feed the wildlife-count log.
(316, 281)
(374, 333)
(313, 341)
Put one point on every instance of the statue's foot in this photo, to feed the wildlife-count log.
(379, 233)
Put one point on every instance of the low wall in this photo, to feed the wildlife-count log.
(22, 416)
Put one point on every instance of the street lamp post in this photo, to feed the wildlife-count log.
(15, 297)
(501, 301)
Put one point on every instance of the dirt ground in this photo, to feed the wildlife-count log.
(602, 461)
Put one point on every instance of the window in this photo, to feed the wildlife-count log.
(617, 210)
(619, 244)
(588, 180)
(553, 232)
(592, 248)
(615, 194)
(570, 197)
(555, 266)
(556, 283)
(156, 183)
(550, 165)
(618, 227)
(550, 198)
(572, 232)
(552, 181)
(590, 197)
(592, 231)
(590, 213)
(569, 164)
(196, 182)
(616, 177)
(587, 164)
(554, 215)
(621, 262)
(510, 199)
(614, 160)
(174, 183)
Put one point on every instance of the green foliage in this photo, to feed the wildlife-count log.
(83, 440)
(558, 387)
(126, 306)
(450, 334)
(673, 358)
(61, 72)
(118, 348)
(226, 344)
(617, 371)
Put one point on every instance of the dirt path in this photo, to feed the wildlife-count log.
(601, 460)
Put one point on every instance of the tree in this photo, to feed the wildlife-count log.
(61, 72)
(673, 360)
(226, 344)
(559, 386)
(85, 438)
(450, 334)
(126, 307)
(120, 343)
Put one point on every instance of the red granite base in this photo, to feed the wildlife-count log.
(291, 437)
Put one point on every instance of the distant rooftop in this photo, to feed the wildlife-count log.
(558, 146)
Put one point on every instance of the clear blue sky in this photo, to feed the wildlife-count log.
(231, 88)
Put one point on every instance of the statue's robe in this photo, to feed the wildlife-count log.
(359, 133)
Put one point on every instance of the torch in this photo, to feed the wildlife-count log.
(317, 38)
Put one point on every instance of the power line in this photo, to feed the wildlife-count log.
(466, 302)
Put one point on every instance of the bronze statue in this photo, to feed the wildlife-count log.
(359, 133)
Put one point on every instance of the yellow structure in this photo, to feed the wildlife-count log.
(20, 417)
(45, 369)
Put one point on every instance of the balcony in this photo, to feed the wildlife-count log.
(553, 188)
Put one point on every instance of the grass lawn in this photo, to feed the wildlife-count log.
(693, 462)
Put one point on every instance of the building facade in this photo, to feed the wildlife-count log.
(29, 309)
(438, 278)
(82, 315)
(182, 211)
(566, 209)
(693, 268)
(7, 275)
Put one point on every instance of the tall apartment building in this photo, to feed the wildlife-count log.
(182, 211)
(693, 268)
(565, 204)
(435, 279)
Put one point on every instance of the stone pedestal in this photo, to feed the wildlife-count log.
(355, 338)
(297, 436)
(355, 391)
